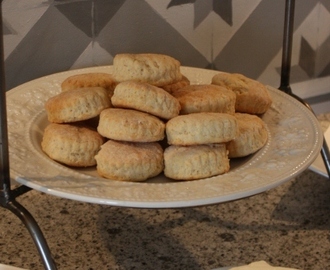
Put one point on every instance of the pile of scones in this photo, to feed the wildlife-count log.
(146, 118)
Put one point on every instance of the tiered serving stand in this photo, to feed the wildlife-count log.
(8, 194)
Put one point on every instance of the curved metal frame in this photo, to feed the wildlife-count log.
(286, 70)
(8, 195)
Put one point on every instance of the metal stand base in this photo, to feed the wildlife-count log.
(7, 201)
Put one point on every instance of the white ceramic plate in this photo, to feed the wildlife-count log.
(295, 139)
(318, 165)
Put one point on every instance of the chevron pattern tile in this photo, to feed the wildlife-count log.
(47, 36)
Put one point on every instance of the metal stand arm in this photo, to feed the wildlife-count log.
(286, 69)
(7, 195)
(34, 231)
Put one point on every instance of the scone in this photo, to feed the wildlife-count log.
(173, 87)
(205, 98)
(128, 161)
(130, 125)
(251, 96)
(78, 105)
(252, 136)
(83, 80)
(195, 162)
(72, 145)
(201, 128)
(155, 69)
(147, 98)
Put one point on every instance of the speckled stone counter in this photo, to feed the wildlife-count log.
(286, 226)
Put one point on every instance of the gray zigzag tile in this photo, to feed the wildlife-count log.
(7, 29)
(78, 13)
(202, 9)
(324, 62)
(179, 2)
(224, 9)
(326, 71)
(307, 60)
(90, 16)
(52, 45)
(326, 4)
(261, 41)
(314, 62)
(257, 32)
(146, 31)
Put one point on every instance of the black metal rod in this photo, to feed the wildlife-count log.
(286, 70)
(7, 195)
(35, 232)
(4, 152)
(325, 156)
(287, 46)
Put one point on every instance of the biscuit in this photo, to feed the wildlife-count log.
(147, 98)
(201, 128)
(155, 69)
(205, 98)
(78, 105)
(83, 80)
(171, 88)
(130, 125)
(252, 136)
(251, 96)
(128, 161)
(195, 162)
(72, 145)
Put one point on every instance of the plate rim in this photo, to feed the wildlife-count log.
(318, 165)
(167, 204)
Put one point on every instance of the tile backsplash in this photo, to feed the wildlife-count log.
(43, 37)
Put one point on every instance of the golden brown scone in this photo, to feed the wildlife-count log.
(130, 125)
(83, 80)
(205, 98)
(147, 98)
(78, 105)
(201, 128)
(195, 162)
(252, 136)
(251, 96)
(72, 145)
(128, 161)
(155, 69)
(171, 88)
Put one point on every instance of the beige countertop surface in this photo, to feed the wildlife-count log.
(287, 226)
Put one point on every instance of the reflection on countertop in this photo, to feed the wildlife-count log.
(286, 226)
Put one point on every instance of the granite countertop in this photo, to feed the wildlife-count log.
(286, 226)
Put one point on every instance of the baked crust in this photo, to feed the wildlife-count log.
(173, 87)
(78, 105)
(72, 145)
(147, 98)
(195, 162)
(130, 125)
(156, 69)
(105, 80)
(251, 96)
(128, 161)
(201, 128)
(205, 98)
(252, 136)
